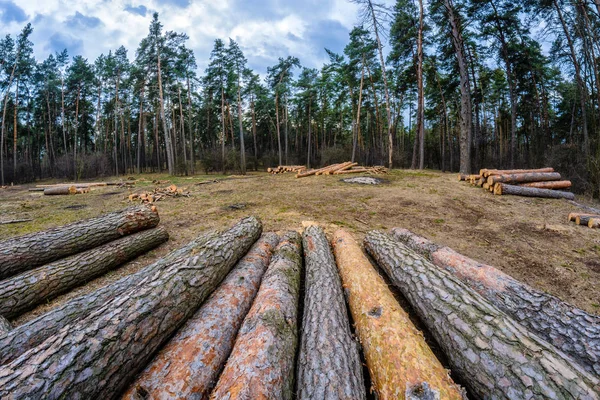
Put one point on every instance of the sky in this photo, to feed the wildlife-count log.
(265, 29)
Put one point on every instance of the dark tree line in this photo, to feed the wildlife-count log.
(465, 84)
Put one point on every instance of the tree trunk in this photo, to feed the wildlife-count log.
(548, 185)
(5, 326)
(489, 172)
(23, 292)
(107, 348)
(181, 121)
(140, 128)
(223, 129)
(60, 190)
(22, 253)
(329, 365)
(15, 129)
(309, 136)
(570, 329)
(254, 135)
(33, 333)
(399, 360)
(585, 220)
(168, 143)
(493, 354)
(200, 349)
(524, 177)
(421, 94)
(278, 131)
(503, 188)
(242, 147)
(261, 364)
(189, 98)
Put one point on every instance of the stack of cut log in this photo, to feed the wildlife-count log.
(542, 182)
(343, 168)
(589, 220)
(159, 194)
(40, 266)
(76, 188)
(219, 318)
(282, 169)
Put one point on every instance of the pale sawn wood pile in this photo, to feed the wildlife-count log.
(333, 169)
(158, 194)
(542, 182)
(227, 316)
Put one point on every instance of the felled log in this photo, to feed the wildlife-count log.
(314, 171)
(5, 326)
(200, 349)
(496, 356)
(261, 364)
(594, 223)
(60, 190)
(489, 172)
(585, 219)
(352, 171)
(77, 185)
(548, 185)
(524, 177)
(573, 216)
(568, 328)
(36, 331)
(332, 167)
(23, 253)
(340, 167)
(329, 365)
(503, 189)
(24, 291)
(463, 177)
(15, 221)
(98, 356)
(346, 167)
(486, 186)
(399, 360)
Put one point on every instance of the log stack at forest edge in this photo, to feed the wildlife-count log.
(399, 360)
(261, 364)
(542, 182)
(329, 365)
(23, 253)
(495, 356)
(348, 167)
(570, 329)
(200, 349)
(282, 169)
(121, 337)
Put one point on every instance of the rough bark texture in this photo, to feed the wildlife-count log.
(26, 252)
(329, 365)
(568, 328)
(495, 356)
(60, 190)
(573, 216)
(503, 188)
(584, 219)
(524, 177)
(549, 185)
(33, 333)
(261, 364)
(22, 292)
(100, 354)
(5, 326)
(189, 365)
(397, 356)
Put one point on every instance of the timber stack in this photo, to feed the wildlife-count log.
(282, 169)
(233, 315)
(158, 194)
(542, 182)
(342, 169)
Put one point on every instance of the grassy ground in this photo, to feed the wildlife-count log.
(525, 237)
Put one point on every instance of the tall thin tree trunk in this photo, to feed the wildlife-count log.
(168, 143)
(223, 128)
(182, 122)
(360, 90)
(254, 133)
(242, 147)
(15, 129)
(12, 75)
(75, 134)
(189, 98)
(278, 133)
(309, 136)
(140, 127)
(421, 94)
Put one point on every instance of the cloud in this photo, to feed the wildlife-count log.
(81, 21)
(139, 10)
(59, 41)
(12, 12)
(178, 3)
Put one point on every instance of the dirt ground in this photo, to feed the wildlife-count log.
(530, 239)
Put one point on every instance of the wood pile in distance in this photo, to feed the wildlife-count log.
(589, 220)
(159, 194)
(541, 182)
(343, 168)
(282, 169)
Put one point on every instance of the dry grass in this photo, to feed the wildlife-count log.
(526, 238)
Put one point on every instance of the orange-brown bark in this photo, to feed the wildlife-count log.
(548, 185)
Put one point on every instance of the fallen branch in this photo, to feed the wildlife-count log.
(15, 221)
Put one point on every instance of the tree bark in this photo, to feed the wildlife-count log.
(261, 364)
(26, 252)
(489, 172)
(494, 355)
(100, 354)
(22, 292)
(5, 326)
(548, 185)
(420, 91)
(33, 333)
(568, 328)
(503, 188)
(329, 365)
(524, 177)
(585, 220)
(399, 360)
(200, 349)
(168, 143)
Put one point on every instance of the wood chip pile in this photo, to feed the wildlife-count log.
(159, 194)
(342, 169)
(227, 316)
(542, 182)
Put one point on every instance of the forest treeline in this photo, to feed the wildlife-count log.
(452, 85)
